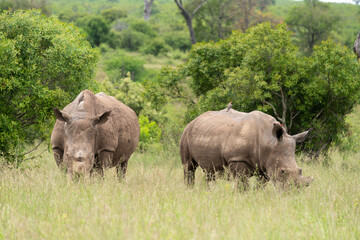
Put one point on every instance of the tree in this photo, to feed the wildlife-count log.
(44, 63)
(96, 28)
(147, 9)
(25, 4)
(119, 64)
(215, 21)
(312, 22)
(111, 14)
(189, 15)
(218, 18)
(261, 70)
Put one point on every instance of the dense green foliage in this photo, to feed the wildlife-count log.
(261, 69)
(149, 133)
(312, 23)
(220, 71)
(44, 64)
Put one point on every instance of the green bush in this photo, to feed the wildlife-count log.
(178, 40)
(150, 133)
(112, 14)
(132, 40)
(44, 63)
(143, 27)
(262, 70)
(96, 28)
(118, 64)
(156, 47)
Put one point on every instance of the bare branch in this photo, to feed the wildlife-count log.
(34, 148)
(284, 106)
(274, 109)
(34, 156)
(198, 8)
(180, 5)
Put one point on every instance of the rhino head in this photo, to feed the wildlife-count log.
(80, 132)
(281, 164)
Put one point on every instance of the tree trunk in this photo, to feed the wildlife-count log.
(189, 16)
(147, 9)
(191, 30)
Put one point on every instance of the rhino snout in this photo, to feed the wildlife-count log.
(304, 181)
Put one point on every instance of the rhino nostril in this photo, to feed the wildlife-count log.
(80, 159)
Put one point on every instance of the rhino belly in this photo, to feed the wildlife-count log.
(208, 157)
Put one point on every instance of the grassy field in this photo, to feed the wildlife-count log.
(36, 202)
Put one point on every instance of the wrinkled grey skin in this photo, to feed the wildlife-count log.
(246, 143)
(92, 133)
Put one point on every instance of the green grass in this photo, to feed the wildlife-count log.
(36, 202)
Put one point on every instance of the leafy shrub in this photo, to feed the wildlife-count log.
(43, 63)
(150, 133)
(156, 47)
(132, 40)
(177, 40)
(119, 64)
(112, 14)
(143, 27)
(96, 28)
(262, 70)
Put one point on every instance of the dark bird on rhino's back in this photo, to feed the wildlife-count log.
(94, 132)
(247, 143)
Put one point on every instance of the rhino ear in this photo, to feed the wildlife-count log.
(62, 116)
(300, 137)
(100, 118)
(278, 131)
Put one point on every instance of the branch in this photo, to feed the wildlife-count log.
(34, 148)
(180, 5)
(283, 101)
(33, 157)
(197, 8)
(275, 112)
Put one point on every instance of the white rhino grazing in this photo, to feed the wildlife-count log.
(246, 143)
(92, 133)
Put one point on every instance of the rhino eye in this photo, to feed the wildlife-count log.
(283, 172)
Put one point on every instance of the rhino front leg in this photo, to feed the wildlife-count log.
(58, 156)
(261, 181)
(102, 161)
(241, 172)
(98, 169)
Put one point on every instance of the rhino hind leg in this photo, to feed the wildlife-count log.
(210, 176)
(189, 172)
(241, 172)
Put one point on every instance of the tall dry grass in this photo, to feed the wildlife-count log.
(36, 202)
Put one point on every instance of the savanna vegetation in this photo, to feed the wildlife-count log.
(171, 61)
